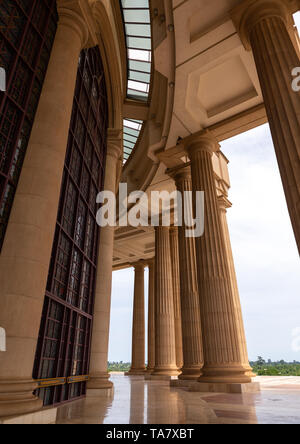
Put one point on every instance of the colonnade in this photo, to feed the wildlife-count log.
(213, 338)
(211, 344)
(195, 322)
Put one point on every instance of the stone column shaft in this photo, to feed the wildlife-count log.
(223, 342)
(165, 347)
(263, 27)
(138, 326)
(25, 257)
(224, 204)
(99, 377)
(190, 298)
(151, 318)
(176, 292)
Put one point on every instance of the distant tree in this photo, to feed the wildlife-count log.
(261, 361)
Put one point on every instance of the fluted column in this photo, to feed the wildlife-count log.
(262, 25)
(223, 341)
(151, 318)
(190, 298)
(25, 257)
(165, 347)
(224, 204)
(176, 293)
(99, 377)
(138, 326)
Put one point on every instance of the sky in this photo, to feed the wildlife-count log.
(264, 249)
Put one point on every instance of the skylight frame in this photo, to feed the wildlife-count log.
(138, 35)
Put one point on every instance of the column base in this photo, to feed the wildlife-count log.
(99, 386)
(230, 374)
(17, 398)
(190, 374)
(164, 371)
(99, 381)
(203, 387)
(42, 417)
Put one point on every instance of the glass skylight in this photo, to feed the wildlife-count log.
(132, 129)
(137, 24)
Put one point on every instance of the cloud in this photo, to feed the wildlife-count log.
(264, 246)
(120, 340)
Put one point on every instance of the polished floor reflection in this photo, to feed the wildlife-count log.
(138, 402)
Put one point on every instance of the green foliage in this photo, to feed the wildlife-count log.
(260, 367)
(279, 368)
(119, 366)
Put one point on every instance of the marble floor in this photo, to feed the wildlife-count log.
(138, 402)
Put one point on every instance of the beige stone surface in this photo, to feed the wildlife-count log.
(151, 318)
(189, 297)
(174, 248)
(224, 204)
(137, 402)
(42, 417)
(165, 346)
(99, 377)
(253, 387)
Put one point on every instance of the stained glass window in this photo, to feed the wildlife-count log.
(65, 333)
(27, 31)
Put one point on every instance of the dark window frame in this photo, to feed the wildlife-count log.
(71, 286)
(27, 32)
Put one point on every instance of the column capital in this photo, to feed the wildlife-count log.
(249, 13)
(141, 265)
(70, 15)
(180, 174)
(202, 141)
(162, 228)
(174, 230)
(114, 143)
